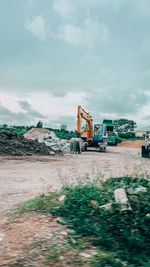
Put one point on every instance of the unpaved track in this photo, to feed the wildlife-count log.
(22, 178)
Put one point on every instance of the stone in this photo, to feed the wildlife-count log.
(136, 191)
(122, 199)
(106, 206)
(62, 198)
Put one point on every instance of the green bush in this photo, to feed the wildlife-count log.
(128, 135)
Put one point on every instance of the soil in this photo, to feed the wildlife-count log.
(16, 145)
(22, 178)
(132, 144)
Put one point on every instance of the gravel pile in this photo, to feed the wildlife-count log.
(16, 145)
(57, 144)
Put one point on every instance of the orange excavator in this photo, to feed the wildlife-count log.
(92, 137)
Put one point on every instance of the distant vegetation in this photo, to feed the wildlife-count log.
(124, 128)
(63, 134)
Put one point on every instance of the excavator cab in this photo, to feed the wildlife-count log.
(99, 132)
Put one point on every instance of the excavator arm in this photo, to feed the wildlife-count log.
(82, 114)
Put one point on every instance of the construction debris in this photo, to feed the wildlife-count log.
(49, 138)
(57, 144)
(16, 145)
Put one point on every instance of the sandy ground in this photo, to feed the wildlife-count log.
(22, 178)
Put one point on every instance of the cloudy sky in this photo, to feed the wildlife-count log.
(57, 54)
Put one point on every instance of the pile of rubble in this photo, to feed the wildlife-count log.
(57, 144)
(17, 145)
(49, 138)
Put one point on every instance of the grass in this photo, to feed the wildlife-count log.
(118, 236)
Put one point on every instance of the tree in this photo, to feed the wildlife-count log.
(125, 128)
(39, 124)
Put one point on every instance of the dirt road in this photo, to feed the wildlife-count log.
(24, 177)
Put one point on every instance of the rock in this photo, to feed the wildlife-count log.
(88, 253)
(106, 206)
(64, 233)
(85, 255)
(70, 231)
(136, 191)
(57, 144)
(73, 241)
(121, 198)
(62, 198)
(1, 237)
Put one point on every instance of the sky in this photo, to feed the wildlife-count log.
(58, 54)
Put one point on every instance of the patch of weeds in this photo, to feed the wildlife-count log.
(43, 203)
(123, 236)
(52, 255)
(34, 255)
(126, 234)
(17, 264)
(66, 254)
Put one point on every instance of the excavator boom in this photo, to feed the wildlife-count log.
(82, 114)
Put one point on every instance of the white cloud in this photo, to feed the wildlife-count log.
(91, 33)
(37, 27)
(64, 8)
(53, 108)
(67, 8)
(56, 106)
(11, 102)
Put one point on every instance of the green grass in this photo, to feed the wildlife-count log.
(122, 236)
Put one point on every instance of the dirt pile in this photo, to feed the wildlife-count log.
(34, 133)
(132, 144)
(16, 145)
(49, 138)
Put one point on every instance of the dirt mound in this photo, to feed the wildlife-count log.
(16, 145)
(132, 144)
(34, 133)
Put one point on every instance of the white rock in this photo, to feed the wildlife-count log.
(106, 206)
(85, 255)
(62, 198)
(1, 237)
(136, 191)
(121, 198)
